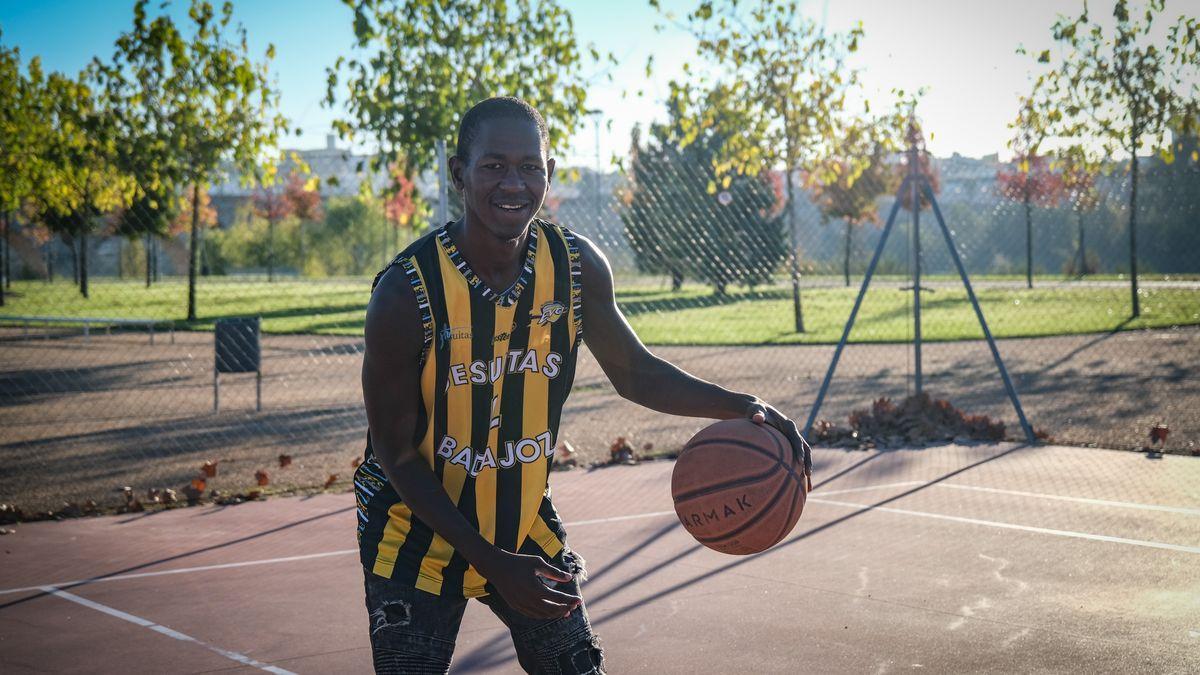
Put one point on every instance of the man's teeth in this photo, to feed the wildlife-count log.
(511, 207)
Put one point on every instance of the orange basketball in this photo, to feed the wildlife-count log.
(737, 487)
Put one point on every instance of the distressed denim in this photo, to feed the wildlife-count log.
(414, 632)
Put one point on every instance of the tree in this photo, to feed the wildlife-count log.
(274, 203)
(204, 98)
(790, 75)
(1079, 170)
(79, 180)
(401, 202)
(684, 218)
(1121, 86)
(848, 184)
(425, 62)
(22, 131)
(1031, 180)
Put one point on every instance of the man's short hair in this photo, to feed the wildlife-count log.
(495, 108)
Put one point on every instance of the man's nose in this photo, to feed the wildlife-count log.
(512, 181)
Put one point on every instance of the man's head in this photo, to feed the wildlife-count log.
(501, 164)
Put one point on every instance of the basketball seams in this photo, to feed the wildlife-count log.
(788, 522)
(747, 445)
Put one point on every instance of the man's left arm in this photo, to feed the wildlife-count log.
(643, 378)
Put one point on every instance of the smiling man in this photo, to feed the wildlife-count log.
(472, 334)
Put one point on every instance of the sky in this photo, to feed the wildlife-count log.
(963, 52)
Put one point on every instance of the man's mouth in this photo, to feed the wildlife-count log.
(511, 207)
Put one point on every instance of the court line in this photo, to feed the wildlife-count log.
(1081, 500)
(159, 628)
(868, 488)
(1013, 526)
(270, 561)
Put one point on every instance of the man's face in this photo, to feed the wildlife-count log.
(505, 180)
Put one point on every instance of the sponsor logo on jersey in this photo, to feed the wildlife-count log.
(550, 312)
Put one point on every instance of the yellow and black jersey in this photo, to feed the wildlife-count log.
(495, 371)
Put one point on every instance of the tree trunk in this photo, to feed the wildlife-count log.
(120, 258)
(195, 242)
(1028, 238)
(846, 260)
(797, 310)
(1082, 250)
(1133, 273)
(676, 279)
(270, 249)
(49, 252)
(156, 244)
(149, 264)
(83, 264)
(5, 269)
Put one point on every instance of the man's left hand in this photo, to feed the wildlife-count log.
(761, 412)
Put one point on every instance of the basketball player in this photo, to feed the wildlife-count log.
(471, 339)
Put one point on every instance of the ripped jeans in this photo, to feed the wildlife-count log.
(414, 632)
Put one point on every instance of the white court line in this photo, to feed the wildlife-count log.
(169, 632)
(868, 488)
(271, 561)
(1012, 526)
(1081, 500)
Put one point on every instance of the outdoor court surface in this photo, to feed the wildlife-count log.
(949, 559)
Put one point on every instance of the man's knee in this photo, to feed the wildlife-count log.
(563, 647)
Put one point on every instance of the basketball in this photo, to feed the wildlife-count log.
(737, 487)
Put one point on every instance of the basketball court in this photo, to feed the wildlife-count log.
(991, 558)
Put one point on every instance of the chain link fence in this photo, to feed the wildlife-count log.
(714, 272)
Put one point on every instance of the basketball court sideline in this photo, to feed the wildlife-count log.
(954, 558)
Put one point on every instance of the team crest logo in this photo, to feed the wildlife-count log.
(550, 312)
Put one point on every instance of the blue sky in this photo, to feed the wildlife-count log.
(962, 51)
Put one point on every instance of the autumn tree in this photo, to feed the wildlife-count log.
(791, 76)
(424, 63)
(295, 198)
(847, 184)
(203, 98)
(1120, 85)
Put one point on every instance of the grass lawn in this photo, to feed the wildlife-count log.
(691, 316)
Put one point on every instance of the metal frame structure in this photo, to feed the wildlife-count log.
(917, 184)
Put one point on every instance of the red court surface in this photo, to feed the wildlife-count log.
(949, 559)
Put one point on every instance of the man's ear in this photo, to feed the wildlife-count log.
(457, 166)
(549, 170)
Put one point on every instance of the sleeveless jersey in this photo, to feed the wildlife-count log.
(496, 369)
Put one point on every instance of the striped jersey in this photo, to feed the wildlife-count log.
(496, 369)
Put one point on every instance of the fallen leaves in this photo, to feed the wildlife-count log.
(917, 420)
(209, 469)
(285, 461)
(330, 480)
(262, 478)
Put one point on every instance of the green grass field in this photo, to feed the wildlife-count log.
(691, 316)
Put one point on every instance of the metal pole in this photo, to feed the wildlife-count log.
(837, 353)
(443, 212)
(962, 272)
(216, 390)
(914, 178)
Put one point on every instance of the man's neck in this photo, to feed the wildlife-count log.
(497, 261)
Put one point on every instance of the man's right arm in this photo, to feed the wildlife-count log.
(391, 392)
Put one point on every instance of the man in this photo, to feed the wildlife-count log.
(471, 339)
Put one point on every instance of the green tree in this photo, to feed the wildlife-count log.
(23, 130)
(1079, 170)
(791, 75)
(425, 62)
(1120, 86)
(1032, 181)
(684, 218)
(79, 180)
(201, 99)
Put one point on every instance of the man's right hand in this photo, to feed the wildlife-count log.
(516, 578)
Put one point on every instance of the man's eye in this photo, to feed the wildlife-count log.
(533, 167)
(491, 166)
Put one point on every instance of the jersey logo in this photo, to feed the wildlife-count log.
(550, 312)
(454, 333)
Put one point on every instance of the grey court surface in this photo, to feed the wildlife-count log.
(949, 559)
